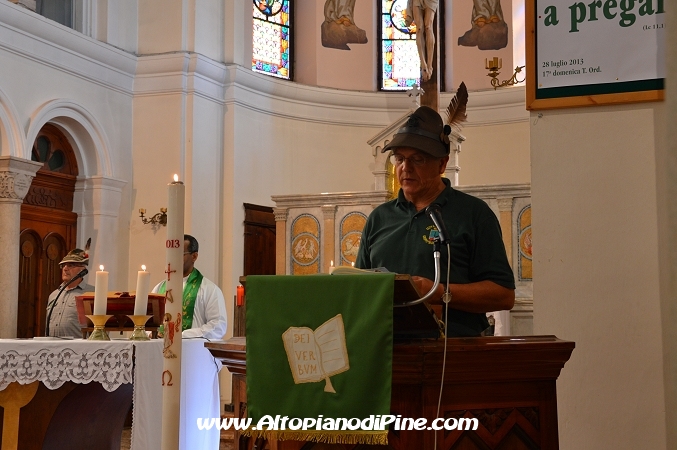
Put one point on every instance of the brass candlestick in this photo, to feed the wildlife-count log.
(139, 333)
(99, 321)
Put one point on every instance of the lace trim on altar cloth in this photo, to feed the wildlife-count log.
(110, 366)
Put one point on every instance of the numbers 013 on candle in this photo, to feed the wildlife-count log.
(173, 243)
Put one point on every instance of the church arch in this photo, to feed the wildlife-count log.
(98, 194)
(11, 136)
(81, 128)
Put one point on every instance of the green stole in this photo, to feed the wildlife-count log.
(189, 295)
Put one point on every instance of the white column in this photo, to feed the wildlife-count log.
(280, 240)
(16, 175)
(97, 203)
(238, 40)
(329, 237)
(452, 170)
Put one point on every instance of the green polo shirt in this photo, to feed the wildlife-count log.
(399, 238)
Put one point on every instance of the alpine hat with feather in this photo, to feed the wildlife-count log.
(77, 256)
(427, 132)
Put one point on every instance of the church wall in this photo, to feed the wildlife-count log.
(157, 155)
(666, 173)
(54, 74)
(495, 154)
(596, 270)
(116, 23)
(468, 63)
(209, 23)
(159, 21)
(354, 69)
(204, 160)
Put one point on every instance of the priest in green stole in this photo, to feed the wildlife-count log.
(204, 308)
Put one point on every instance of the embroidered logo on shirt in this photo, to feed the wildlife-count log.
(433, 235)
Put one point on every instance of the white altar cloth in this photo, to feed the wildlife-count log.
(56, 362)
(112, 363)
(199, 397)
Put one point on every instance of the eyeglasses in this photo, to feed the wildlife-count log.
(69, 265)
(416, 159)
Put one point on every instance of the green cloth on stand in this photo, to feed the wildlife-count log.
(360, 377)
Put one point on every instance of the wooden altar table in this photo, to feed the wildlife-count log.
(507, 383)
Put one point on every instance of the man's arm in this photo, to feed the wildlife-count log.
(479, 297)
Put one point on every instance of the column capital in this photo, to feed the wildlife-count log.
(16, 175)
(328, 212)
(505, 204)
(281, 214)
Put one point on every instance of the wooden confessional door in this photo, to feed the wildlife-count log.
(259, 240)
(48, 228)
(259, 251)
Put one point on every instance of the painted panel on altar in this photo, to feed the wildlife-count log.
(350, 232)
(305, 245)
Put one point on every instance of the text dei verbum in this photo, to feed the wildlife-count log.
(625, 11)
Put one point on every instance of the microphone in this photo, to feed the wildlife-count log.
(80, 274)
(435, 213)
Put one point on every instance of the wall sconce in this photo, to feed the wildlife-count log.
(493, 66)
(158, 219)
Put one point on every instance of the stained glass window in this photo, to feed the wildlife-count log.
(272, 38)
(400, 66)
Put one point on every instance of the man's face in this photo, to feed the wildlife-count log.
(419, 173)
(188, 259)
(69, 270)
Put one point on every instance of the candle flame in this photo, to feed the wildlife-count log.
(101, 268)
(143, 267)
(176, 178)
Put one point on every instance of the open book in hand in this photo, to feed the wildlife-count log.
(317, 355)
(348, 270)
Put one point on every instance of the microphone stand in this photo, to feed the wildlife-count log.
(436, 255)
(435, 213)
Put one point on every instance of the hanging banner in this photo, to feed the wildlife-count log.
(594, 52)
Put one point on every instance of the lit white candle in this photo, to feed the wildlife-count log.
(142, 289)
(100, 291)
(171, 394)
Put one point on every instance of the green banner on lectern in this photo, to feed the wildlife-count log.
(319, 348)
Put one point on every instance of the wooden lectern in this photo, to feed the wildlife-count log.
(507, 383)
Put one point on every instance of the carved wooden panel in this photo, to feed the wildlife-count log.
(30, 250)
(39, 275)
(499, 428)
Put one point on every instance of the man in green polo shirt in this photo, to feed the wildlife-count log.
(399, 235)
